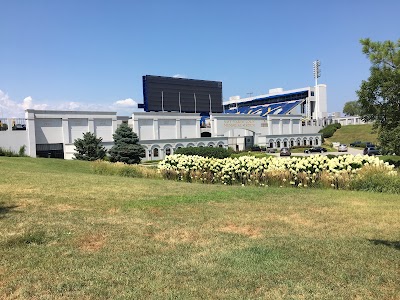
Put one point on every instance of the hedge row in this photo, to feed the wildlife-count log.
(329, 130)
(205, 152)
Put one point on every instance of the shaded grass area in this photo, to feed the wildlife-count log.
(66, 233)
(350, 133)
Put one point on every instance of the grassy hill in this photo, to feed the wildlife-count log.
(350, 133)
(67, 233)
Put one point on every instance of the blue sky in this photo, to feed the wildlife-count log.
(92, 54)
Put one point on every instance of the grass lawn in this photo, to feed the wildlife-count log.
(69, 234)
(350, 133)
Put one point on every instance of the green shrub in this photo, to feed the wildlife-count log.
(377, 182)
(395, 161)
(22, 150)
(205, 151)
(329, 130)
(9, 153)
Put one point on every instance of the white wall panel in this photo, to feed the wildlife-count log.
(188, 128)
(146, 129)
(103, 129)
(286, 126)
(296, 127)
(167, 129)
(48, 131)
(77, 127)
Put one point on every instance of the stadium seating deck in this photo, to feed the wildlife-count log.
(281, 108)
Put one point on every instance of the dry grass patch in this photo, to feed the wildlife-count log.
(92, 242)
(247, 230)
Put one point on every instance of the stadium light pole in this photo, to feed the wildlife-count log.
(317, 74)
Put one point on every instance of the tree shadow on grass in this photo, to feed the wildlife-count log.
(391, 244)
(6, 209)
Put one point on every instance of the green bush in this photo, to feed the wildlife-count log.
(329, 130)
(205, 151)
(22, 150)
(395, 161)
(377, 182)
(9, 153)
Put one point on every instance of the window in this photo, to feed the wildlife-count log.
(310, 142)
(291, 143)
(278, 144)
(298, 142)
(220, 145)
(271, 144)
(316, 141)
(304, 142)
(285, 144)
(155, 152)
(312, 93)
(168, 151)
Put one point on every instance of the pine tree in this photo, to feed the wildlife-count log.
(379, 96)
(89, 147)
(126, 148)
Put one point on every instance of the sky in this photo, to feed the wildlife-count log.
(91, 55)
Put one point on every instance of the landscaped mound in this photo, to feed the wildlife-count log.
(342, 172)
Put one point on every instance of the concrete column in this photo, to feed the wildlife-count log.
(178, 128)
(136, 128)
(198, 128)
(30, 128)
(91, 125)
(65, 129)
(269, 127)
(155, 130)
(280, 126)
(290, 126)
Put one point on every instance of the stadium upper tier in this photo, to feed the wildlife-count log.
(281, 108)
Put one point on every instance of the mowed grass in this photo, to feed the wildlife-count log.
(69, 234)
(350, 133)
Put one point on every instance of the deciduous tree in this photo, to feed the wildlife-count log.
(379, 96)
(352, 108)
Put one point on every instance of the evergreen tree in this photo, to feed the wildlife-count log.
(126, 148)
(89, 147)
(379, 96)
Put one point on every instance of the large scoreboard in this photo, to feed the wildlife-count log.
(181, 95)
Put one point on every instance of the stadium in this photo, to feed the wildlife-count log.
(180, 112)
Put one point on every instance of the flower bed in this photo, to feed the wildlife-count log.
(311, 171)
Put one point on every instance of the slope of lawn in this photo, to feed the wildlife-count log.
(351, 133)
(69, 234)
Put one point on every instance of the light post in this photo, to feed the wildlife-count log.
(317, 74)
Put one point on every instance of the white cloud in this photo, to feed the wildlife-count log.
(126, 103)
(180, 76)
(12, 109)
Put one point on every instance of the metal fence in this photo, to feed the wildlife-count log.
(12, 124)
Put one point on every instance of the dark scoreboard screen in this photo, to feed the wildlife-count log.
(181, 95)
